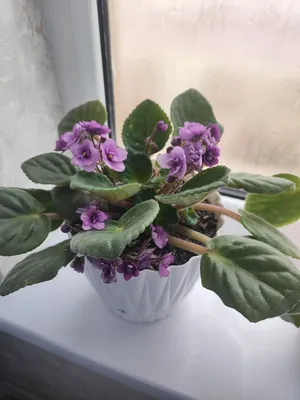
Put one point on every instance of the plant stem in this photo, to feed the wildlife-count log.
(217, 210)
(190, 233)
(182, 244)
(123, 203)
(53, 216)
(144, 244)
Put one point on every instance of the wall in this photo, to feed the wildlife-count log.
(243, 55)
(72, 30)
(29, 100)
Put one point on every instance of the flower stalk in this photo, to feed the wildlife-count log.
(182, 244)
(190, 233)
(53, 215)
(217, 210)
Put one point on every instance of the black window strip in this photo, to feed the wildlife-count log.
(236, 193)
(103, 19)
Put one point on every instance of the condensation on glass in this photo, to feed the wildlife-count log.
(243, 55)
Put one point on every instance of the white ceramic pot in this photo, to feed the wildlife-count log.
(148, 297)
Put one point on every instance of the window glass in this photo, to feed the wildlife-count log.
(243, 55)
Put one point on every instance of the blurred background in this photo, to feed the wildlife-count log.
(242, 55)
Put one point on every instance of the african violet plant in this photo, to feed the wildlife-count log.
(127, 212)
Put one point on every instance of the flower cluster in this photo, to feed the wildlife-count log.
(91, 147)
(194, 147)
(131, 266)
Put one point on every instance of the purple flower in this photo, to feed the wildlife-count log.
(108, 274)
(193, 153)
(146, 259)
(93, 218)
(107, 267)
(113, 156)
(192, 131)
(94, 128)
(176, 141)
(175, 161)
(78, 264)
(71, 138)
(215, 132)
(162, 126)
(164, 264)
(159, 236)
(211, 155)
(128, 269)
(60, 145)
(85, 155)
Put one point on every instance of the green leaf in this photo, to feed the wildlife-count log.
(198, 188)
(92, 110)
(167, 215)
(141, 123)
(138, 168)
(23, 227)
(67, 201)
(251, 277)
(111, 241)
(260, 184)
(49, 168)
(144, 194)
(295, 309)
(37, 267)
(279, 210)
(189, 216)
(266, 232)
(99, 184)
(44, 197)
(191, 106)
(292, 318)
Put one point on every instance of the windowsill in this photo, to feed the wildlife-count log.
(204, 350)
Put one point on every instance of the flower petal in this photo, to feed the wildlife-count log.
(163, 159)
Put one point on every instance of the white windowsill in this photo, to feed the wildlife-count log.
(204, 350)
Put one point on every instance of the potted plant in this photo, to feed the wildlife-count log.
(140, 225)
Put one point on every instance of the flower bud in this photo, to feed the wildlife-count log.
(65, 228)
(162, 126)
(78, 264)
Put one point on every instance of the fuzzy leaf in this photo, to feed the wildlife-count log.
(111, 241)
(252, 277)
(189, 216)
(99, 184)
(292, 318)
(198, 188)
(266, 233)
(37, 267)
(44, 197)
(193, 107)
(279, 210)
(140, 124)
(167, 215)
(67, 201)
(143, 195)
(138, 168)
(260, 184)
(49, 168)
(92, 110)
(23, 227)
